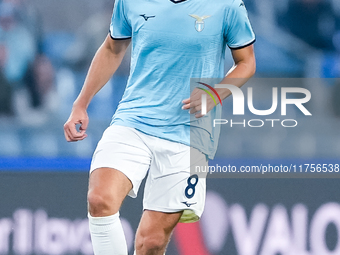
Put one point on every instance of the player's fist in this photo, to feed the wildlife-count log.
(78, 117)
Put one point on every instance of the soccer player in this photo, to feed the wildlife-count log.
(172, 42)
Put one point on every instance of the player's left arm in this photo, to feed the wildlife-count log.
(243, 69)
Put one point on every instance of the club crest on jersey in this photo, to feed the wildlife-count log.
(199, 24)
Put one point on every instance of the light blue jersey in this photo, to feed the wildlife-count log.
(173, 42)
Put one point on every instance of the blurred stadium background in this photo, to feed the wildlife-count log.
(45, 49)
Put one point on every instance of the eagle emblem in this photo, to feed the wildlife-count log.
(199, 24)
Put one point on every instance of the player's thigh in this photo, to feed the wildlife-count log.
(157, 226)
(122, 148)
(119, 164)
(107, 189)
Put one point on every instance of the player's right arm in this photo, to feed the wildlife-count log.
(103, 66)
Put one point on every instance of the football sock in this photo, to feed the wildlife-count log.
(107, 235)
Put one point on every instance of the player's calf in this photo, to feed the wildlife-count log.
(153, 244)
(154, 231)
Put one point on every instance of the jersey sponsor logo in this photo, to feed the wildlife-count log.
(199, 24)
(147, 17)
(188, 204)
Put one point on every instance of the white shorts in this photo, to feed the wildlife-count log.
(169, 186)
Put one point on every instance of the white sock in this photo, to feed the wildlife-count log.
(107, 235)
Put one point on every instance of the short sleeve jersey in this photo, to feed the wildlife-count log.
(172, 42)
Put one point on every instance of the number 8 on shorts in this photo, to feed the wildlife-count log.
(190, 189)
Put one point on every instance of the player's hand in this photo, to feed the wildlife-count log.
(194, 103)
(78, 117)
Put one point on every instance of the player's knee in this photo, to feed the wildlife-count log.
(100, 204)
(151, 242)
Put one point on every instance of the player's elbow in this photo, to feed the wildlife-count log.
(247, 67)
(252, 66)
